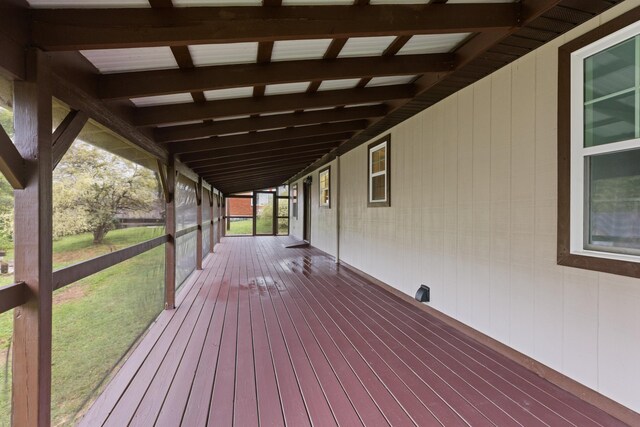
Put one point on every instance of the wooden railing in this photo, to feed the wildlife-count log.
(73, 273)
(12, 296)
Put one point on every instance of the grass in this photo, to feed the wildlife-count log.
(95, 321)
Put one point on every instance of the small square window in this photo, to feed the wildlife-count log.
(325, 184)
(378, 170)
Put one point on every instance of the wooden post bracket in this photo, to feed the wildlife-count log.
(11, 162)
(66, 133)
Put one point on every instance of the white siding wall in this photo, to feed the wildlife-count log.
(473, 215)
(323, 220)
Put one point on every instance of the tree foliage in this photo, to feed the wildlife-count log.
(91, 187)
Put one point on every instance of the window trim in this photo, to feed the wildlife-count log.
(320, 172)
(294, 201)
(571, 250)
(386, 141)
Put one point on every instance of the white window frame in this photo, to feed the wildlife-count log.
(580, 154)
(324, 204)
(372, 175)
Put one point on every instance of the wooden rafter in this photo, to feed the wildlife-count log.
(149, 116)
(259, 162)
(252, 159)
(11, 162)
(160, 82)
(292, 145)
(255, 138)
(201, 130)
(66, 133)
(80, 29)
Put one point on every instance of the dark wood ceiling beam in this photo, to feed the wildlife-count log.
(240, 187)
(253, 164)
(203, 130)
(160, 82)
(74, 83)
(80, 29)
(248, 172)
(286, 147)
(149, 116)
(261, 175)
(14, 37)
(467, 53)
(244, 159)
(255, 138)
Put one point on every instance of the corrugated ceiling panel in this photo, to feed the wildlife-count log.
(88, 3)
(319, 109)
(390, 80)
(176, 98)
(226, 53)
(398, 1)
(192, 122)
(315, 2)
(338, 84)
(222, 119)
(432, 43)
(279, 89)
(290, 50)
(136, 59)
(230, 93)
(277, 113)
(367, 104)
(196, 3)
(365, 46)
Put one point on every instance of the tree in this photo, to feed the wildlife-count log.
(91, 187)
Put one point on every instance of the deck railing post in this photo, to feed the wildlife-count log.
(31, 395)
(170, 248)
(199, 219)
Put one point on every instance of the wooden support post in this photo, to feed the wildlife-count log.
(212, 240)
(199, 191)
(31, 395)
(170, 226)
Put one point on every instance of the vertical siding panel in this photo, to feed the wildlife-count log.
(429, 233)
(437, 290)
(522, 203)
(547, 275)
(481, 287)
(450, 204)
(500, 199)
(465, 204)
(619, 371)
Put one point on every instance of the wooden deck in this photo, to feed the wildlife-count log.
(267, 335)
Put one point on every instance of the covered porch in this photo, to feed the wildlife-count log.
(271, 335)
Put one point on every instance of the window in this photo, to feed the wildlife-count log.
(324, 181)
(294, 200)
(379, 187)
(599, 150)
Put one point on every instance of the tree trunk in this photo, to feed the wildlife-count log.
(98, 234)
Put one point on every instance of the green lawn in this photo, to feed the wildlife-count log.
(95, 321)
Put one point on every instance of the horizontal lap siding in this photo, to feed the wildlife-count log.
(473, 215)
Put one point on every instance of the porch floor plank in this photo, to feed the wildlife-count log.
(267, 335)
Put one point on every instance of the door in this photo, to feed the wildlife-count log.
(306, 213)
(264, 213)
